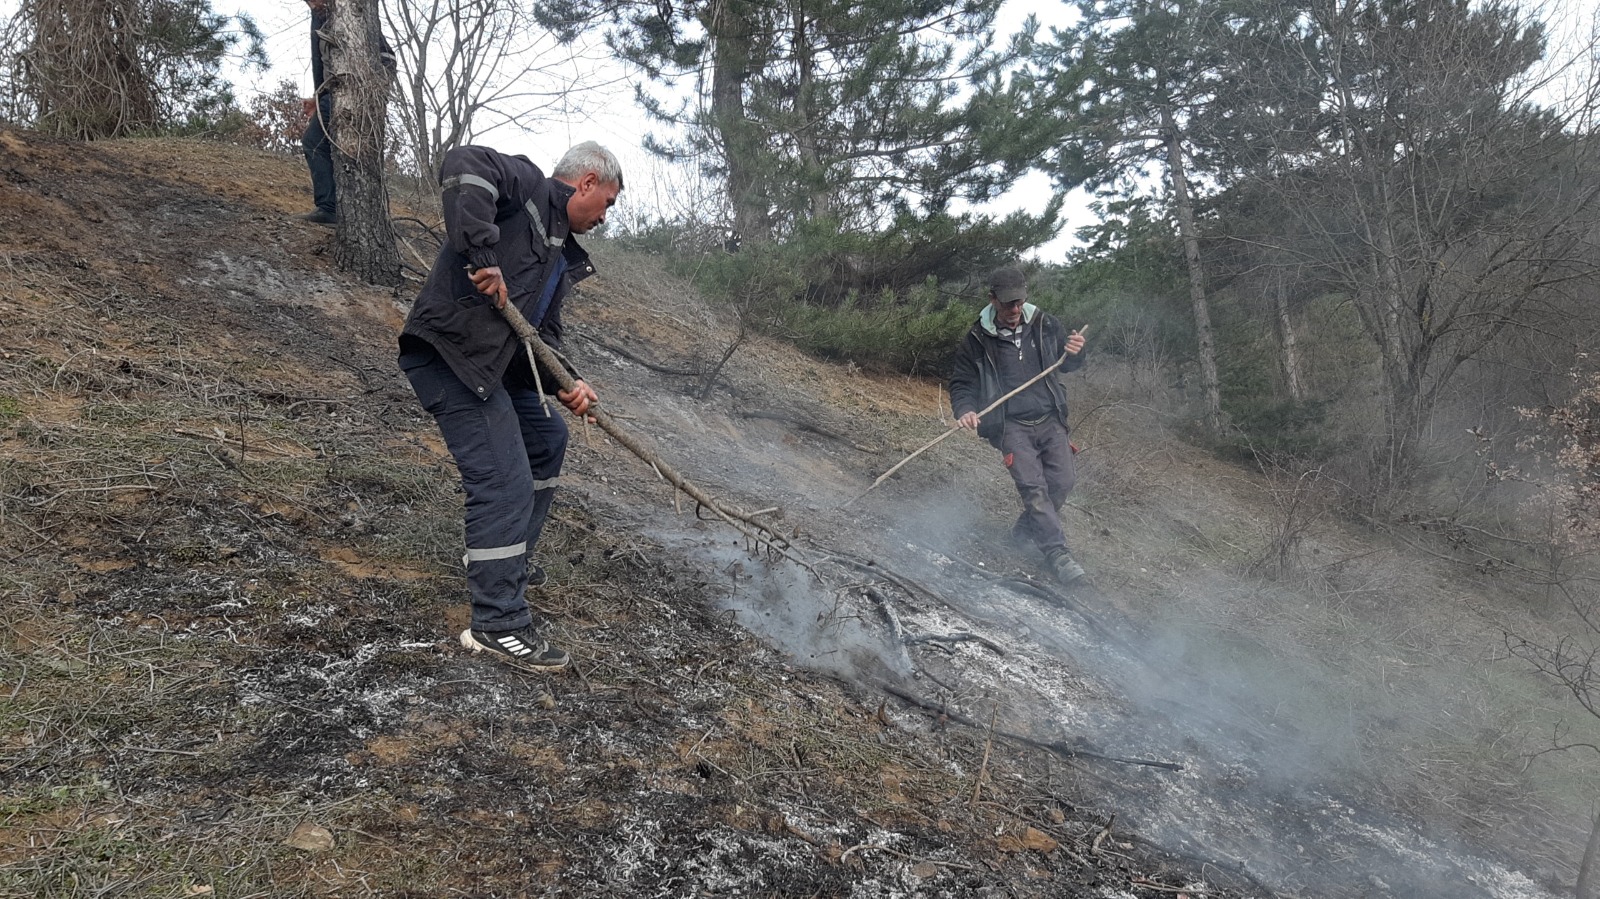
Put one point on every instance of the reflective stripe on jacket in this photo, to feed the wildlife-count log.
(498, 210)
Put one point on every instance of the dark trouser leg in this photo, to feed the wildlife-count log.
(1055, 455)
(1020, 445)
(319, 156)
(485, 437)
(545, 437)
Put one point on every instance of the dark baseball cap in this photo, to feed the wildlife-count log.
(1009, 283)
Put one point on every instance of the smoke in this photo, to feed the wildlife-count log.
(1305, 723)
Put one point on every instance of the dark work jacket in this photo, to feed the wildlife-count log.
(975, 376)
(498, 210)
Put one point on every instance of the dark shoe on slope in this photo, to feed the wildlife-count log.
(521, 648)
(1065, 567)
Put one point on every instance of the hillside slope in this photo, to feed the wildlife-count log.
(231, 591)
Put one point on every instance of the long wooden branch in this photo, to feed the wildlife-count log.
(956, 427)
(758, 531)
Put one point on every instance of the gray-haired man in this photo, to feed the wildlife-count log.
(509, 240)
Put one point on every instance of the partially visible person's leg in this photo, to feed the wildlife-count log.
(1025, 447)
(544, 434)
(486, 442)
(485, 438)
(1055, 455)
(1039, 520)
(318, 150)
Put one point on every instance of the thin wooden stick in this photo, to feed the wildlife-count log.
(954, 428)
(983, 769)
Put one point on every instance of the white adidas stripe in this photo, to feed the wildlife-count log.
(514, 645)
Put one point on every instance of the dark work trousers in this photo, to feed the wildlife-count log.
(1039, 458)
(509, 452)
(319, 155)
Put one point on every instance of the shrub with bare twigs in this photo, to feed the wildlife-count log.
(109, 68)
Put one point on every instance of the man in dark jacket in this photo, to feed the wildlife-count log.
(1011, 342)
(509, 240)
(317, 142)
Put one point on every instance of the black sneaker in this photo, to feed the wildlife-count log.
(1065, 567)
(523, 648)
(320, 216)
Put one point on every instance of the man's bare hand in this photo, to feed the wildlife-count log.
(969, 421)
(489, 283)
(1075, 343)
(577, 399)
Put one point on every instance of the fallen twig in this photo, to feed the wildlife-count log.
(893, 618)
(983, 769)
(1147, 884)
(958, 637)
(628, 354)
(805, 425)
(879, 847)
(234, 442)
(1104, 832)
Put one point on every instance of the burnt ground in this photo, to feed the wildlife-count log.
(227, 659)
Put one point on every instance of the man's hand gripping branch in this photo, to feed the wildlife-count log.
(491, 283)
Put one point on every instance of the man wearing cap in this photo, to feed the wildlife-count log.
(1011, 342)
(511, 238)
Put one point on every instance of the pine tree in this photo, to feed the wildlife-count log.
(365, 244)
(826, 116)
(1130, 82)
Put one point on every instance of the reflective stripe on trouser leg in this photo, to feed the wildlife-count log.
(486, 441)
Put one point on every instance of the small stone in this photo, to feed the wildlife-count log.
(310, 837)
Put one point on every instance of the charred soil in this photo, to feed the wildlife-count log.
(227, 658)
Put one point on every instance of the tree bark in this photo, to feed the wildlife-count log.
(728, 22)
(365, 245)
(1588, 881)
(806, 118)
(1197, 279)
(1286, 339)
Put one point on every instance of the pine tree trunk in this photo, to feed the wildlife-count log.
(728, 24)
(1588, 880)
(1286, 338)
(365, 245)
(1209, 382)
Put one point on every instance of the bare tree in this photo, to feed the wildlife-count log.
(360, 82)
(469, 66)
(1570, 499)
(1423, 182)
